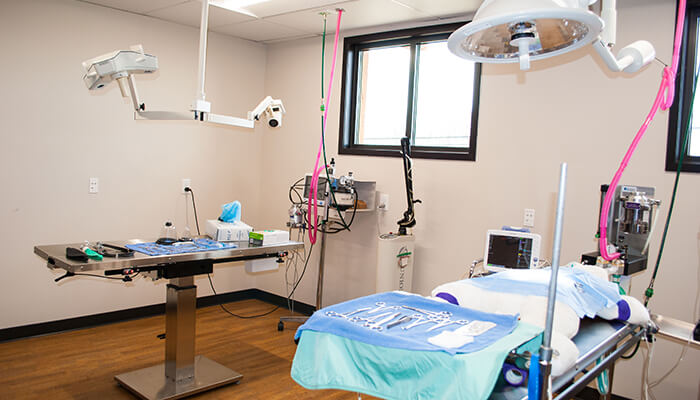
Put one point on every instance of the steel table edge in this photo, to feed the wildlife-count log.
(55, 261)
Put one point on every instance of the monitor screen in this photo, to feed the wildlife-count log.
(509, 251)
(321, 188)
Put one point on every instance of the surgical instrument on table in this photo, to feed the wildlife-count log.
(399, 321)
(440, 314)
(377, 325)
(420, 320)
(347, 314)
(111, 250)
(381, 306)
(373, 318)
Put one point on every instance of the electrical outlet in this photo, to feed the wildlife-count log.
(529, 217)
(383, 202)
(186, 182)
(94, 185)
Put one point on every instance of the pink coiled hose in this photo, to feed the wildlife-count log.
(664, 100)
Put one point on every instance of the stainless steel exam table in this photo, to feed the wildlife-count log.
(182, 374)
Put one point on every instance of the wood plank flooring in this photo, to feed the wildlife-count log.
(82, 364)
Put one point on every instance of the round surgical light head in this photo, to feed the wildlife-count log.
(511, 31)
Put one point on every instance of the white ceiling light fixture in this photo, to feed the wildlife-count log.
(518, 31)
(238, 6)
(123, 65)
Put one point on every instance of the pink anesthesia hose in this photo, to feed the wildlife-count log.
(313, 190)
(664, 100)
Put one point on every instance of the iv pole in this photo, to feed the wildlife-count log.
(321, 268)
(546, 348)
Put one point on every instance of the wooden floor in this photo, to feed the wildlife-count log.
(82, 364)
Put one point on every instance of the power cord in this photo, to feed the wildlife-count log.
(69, 274)
(211, 283)
(293, 188)
(306, 263)
(194, 206)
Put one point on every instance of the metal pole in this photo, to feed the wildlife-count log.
(319, 284)
(546, 349)
(181, 302)
(203, 26)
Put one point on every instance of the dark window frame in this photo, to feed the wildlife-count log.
(678, 115)
(348, 106)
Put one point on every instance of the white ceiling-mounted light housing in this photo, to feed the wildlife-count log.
(518, 31)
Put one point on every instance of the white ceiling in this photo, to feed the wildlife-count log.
(279, 20)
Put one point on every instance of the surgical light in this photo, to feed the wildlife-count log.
(518, 31)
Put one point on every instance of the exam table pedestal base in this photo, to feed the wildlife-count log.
(182, 374)
(151, 383)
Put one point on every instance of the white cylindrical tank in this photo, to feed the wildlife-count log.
(395, 262)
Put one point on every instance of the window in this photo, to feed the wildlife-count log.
(678, 120)
(408, 84)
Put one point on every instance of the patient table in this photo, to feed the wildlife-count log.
(600, 344)
(182, 374)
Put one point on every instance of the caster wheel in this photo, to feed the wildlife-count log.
(280, 326)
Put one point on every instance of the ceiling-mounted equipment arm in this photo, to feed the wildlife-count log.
(408, 220)
(632, 57)
(201, 107)
(122, 65)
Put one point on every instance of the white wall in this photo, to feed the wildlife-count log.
(575, 112)
(56, 134)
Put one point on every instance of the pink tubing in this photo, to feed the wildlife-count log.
(313, 190)
(664, 100)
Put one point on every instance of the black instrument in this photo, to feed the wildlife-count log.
(113, 251)
(408, 220)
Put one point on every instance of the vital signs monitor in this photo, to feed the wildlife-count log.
(511, 249)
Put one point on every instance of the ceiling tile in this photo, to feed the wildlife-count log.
(284, 39)
(442, 8)
(136, 6)
(277, 7)
(358, 14)
(190, 12)
(291, 19)
(260, 30)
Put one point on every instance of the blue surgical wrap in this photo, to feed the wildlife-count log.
(231, 212)
(326, 361)
(195, 246)
(586, 294)
(415, 338)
